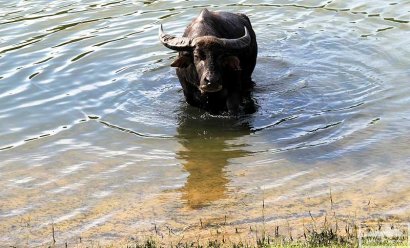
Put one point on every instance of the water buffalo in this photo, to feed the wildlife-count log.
(217, 55)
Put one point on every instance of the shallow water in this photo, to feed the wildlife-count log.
(97, 141)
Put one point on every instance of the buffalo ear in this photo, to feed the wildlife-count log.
(232, 62)
(181, 62)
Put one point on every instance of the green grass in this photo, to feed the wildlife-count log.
(326, 236)
(326, 231)
(317, 235)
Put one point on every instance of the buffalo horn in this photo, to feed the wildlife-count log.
(239, 43)
(174, 43)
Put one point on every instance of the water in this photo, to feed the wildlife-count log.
(97, 141)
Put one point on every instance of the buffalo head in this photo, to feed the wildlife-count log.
(209, 55)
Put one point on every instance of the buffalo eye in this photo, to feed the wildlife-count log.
(200, 55)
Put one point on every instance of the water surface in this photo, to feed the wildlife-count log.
(97, 141)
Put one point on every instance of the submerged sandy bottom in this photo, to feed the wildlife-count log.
(236, 202)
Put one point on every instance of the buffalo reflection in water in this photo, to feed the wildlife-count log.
(205, 154)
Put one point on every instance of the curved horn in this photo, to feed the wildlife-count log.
(172, 42)
(239, 43)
